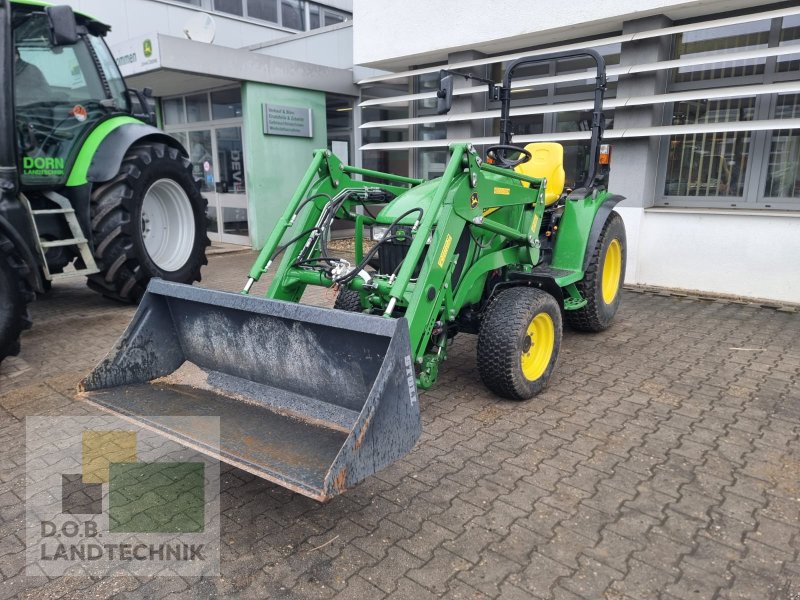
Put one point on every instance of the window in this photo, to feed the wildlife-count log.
(387, 161)
(172, 111)
(209, 125)
(232, 7)
(709, 164)
(197, 108)
(322, 16)
(226, 104)
(790, 36)
(266, 10)
(783, 163)
(430, 163)
(718, 40)
(734, 169)
(293, 14)
(230, 153)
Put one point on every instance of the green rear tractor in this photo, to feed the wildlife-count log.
(90, 187)
(317, 399)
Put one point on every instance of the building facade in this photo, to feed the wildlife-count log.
(702, 111)
(250, 87)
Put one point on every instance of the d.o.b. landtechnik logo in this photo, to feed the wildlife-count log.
(105, 497)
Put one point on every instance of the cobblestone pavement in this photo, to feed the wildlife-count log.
(663, 461)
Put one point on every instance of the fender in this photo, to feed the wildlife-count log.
(109, 154)
(538, 280)
(599, 222)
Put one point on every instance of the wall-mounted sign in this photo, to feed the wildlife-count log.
(137, 55)
(287, 120)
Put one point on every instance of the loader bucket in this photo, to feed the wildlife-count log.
(310, 398)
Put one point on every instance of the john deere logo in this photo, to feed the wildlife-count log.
(473, 200)
(147, 47)
(42, 165)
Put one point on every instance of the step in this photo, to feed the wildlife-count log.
(53, 211)
(69, 242)
(73, 274)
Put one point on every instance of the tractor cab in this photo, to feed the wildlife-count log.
(65, 82)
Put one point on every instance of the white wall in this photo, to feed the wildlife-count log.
(723, 252)
(330, 46)
(134, 18)
(394, 33)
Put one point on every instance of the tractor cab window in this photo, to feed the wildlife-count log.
(59, 94)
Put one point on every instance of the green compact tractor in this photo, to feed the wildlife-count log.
(88, 186)
(318, 399)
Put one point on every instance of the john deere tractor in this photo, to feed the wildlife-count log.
(89, 187)
(318, 399)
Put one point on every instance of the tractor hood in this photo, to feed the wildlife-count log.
(417, 197)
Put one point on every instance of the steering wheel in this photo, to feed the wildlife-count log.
(501, 160)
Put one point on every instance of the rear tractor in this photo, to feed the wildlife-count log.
(318, 399)
(89, 187)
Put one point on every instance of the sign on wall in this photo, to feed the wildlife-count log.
(287, 120)
(137, 55)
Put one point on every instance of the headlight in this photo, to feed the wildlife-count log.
(379, 232)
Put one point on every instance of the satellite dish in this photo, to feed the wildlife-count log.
(200, 28)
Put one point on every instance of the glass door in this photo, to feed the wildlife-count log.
(209, 125)
(230, 185)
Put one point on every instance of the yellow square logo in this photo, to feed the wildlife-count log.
(101, 448)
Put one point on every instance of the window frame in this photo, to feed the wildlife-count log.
(209, 6)
(753, 193)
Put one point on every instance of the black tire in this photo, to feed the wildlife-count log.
(600, 309)
(348, 300)
(117, 229)
(508, 361)
(15, 294)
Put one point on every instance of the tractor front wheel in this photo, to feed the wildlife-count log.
(602, 283)
(149, 221)
(15, 294)
(518, 342)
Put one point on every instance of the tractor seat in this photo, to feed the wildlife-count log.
(547, 161)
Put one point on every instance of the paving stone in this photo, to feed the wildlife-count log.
(435, 574)
(666, 466)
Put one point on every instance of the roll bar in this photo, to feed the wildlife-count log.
(503, 93)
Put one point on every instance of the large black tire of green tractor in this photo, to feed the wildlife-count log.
(602, 283)
(15, 294)
(518, 342)
(117, 226)
(348, 300)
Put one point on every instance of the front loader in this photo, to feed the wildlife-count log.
(90, 187)
(317, 399)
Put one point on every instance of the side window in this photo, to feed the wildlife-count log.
(45, 74)
(60, 70)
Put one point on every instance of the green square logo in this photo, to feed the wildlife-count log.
(159, 497)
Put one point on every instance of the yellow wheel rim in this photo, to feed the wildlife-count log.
(538, 346)
(612, 268)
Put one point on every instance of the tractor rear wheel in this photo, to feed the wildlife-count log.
(15, 294)
(518, 342)
(149, 221)
(348, 300)
(602, 283)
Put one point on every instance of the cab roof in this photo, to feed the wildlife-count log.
(94, 26)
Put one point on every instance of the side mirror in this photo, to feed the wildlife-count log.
(143, 106)
(444, 96)
(63, 28)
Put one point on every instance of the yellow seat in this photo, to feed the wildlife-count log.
(547, 161)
